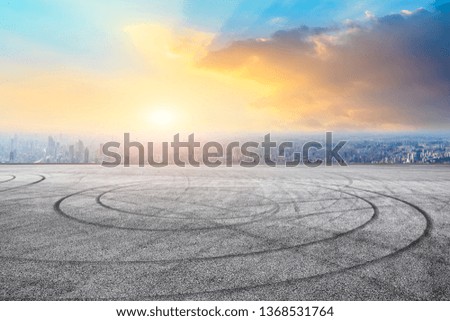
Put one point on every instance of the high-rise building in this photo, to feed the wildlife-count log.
(71, 154)
(50, 150)
(12, 156)
(79, 152)
(86, 155)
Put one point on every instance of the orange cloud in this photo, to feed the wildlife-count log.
(390, 75)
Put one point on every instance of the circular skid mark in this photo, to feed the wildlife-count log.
(426, 232)
(190, 215)
(335, 236)
(57, 207)
(41, 178)
(11, 177)
(267, 215)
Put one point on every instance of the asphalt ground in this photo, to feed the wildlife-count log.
(86, 232)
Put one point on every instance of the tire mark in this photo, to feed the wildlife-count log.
(8, 180)
(57, 209)
(426, 233)
(42, 178)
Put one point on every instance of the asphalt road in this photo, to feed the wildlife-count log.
(355, 233)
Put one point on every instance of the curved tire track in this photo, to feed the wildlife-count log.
(42, 178)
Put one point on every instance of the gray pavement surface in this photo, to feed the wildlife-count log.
(356, 233)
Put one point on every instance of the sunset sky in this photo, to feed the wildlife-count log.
(224, 66)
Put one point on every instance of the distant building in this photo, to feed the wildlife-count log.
(72, 154)
(86, 155)
(79, 152)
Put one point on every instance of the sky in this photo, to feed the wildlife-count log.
(224, 66)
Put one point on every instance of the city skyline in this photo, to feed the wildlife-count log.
(364, 149)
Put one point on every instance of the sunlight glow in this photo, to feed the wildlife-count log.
(162, 117)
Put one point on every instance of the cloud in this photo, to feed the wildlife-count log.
(277, 21)
(388, 72)
(162, 76)
(391, 72)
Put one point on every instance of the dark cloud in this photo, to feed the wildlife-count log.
(391, 71)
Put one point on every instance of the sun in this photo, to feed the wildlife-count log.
(162, 117)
